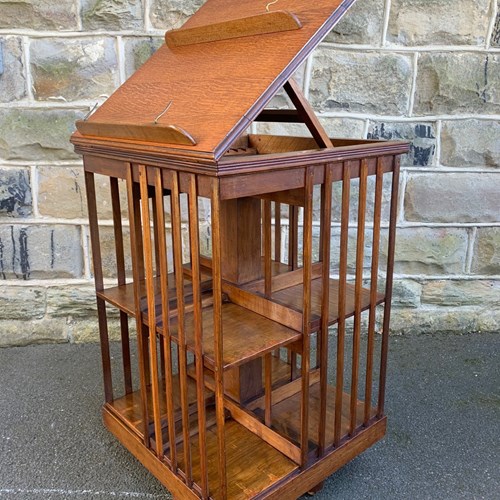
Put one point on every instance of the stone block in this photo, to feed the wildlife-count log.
(38, 135)
(361, 82)
(15, 192)
(138, 51)
(447, 22)
(71, 301)
(486, 259)
(429, 251)
(61, 193)
(22, 302)
(12, 80)
(453, 198)
(406, 293)
(74, 69)
(495, 35)
(84, 331)
(22, 333)
(170, 14)
(108, 251)
(470, 143)
(40, 252)
(38, 14)
(462, 293)
(422, 137)
(453, 83)
(112, 15)
(438, 320)
(362, 24)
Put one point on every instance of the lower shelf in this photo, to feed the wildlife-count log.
(252, 465)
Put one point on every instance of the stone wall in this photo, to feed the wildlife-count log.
(423, 70)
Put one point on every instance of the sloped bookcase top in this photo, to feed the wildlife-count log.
(201, 96)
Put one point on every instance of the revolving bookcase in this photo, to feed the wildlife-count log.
(249, 274)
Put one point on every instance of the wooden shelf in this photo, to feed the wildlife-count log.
(286, 415)
(293, 297)
(247, 335)
(123, 296)
(252, 464)
(128, 407)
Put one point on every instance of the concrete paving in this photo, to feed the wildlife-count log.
(443, 404)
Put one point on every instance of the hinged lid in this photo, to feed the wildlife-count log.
(204, 87)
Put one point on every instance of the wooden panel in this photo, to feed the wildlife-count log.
(128, 407)
(246, 335)
(286, 418)
(261, 24)
(245, 478)
(243, 84)
(292, 297)
(151, 132)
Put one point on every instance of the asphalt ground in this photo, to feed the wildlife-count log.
(443, 439)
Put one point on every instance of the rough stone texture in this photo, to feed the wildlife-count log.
(462, 293)
(73, 69)
(438, 22)
(429, 251)
(362, 24)
(112, 14)
(361, 82)
(15, 192)
(40, 252)
(170, 14)
(12, 79)
(108, 251)
(453, 198)
(74, 301)
(406, 293)
(21, 302)
(83, 331)
(445, 320)
(495, 35)
(61, 193)
(487, 251)
(458, 83)
(138, 51)
(421, 135)
(38, 14)
(21, 333)
(37, 134)
(470, 143)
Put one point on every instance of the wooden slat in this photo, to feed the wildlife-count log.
(266, 219)
(99, 286)
(265, 307)
(218, 337)
(153, 344)
(306, 314)
(194, 244)
(344, 239)
(307, 114)
(377, 216)
(178, 267)
(277, 232)
(360, 255)
(326, 200)
(388, 286)
(261, 24)
(166, 338)
(293, 238)
(138, 273)
(279, 442)
(147, 132)
(268, 377)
